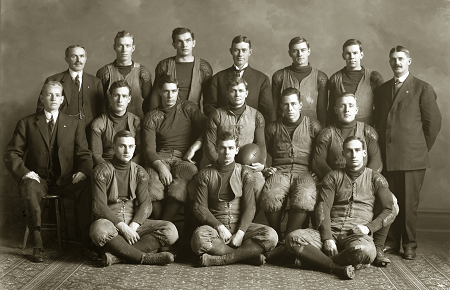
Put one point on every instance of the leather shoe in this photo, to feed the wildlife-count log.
(38, 255)
(89, 254)
(390, 249)
(410, 253)
(381, 260)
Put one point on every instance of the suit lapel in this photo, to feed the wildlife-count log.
(62, 128)
(42, 125)
(65, 81)
(404, 90)
(84, 84)
(247, 75)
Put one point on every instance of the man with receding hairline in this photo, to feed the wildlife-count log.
(259, 91)
(124, 68)
(355, 79)
(83, 92)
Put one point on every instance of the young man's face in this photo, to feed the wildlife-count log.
(237, 95)
(241, 53)
(300, 54)
(76, 58)
(352, 55)
(346, 109)
(124, 48)
(291, 107)
(400, 63)
(124, 148)
(119, 100)
(184, 44)
(226, 151)
(354, 154)
(51, 97)
(169, 95)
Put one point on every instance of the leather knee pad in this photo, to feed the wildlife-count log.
(303, 195)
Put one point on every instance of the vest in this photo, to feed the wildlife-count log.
(335, 158)
(292, 151)
(244, 128)
(135, 105)
(76, 105)
(196, 83)
(364, 94)
(112, 190)
(54, 166)
(308, 90)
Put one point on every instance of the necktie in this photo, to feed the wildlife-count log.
(77, 81)
(397, 86)
(237, 72)
(51, 125)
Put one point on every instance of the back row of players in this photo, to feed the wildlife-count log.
(354, 208)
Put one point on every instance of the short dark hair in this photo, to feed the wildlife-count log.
(241, 38)
(66, 53)
(122, 133)
(399, 48)
(119, 84)
(353, 138)
(235, 81)
(167, 79)
(226, 135)
(344, 94)
(297, 40)
(291, 91)
(351, 42)
(181, 30)
(122, 34)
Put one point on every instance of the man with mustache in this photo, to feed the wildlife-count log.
(124, 68)
(83, 92)
(408, 121)
(311, 82)
(116, 119)
(355, 79)
(260, 96)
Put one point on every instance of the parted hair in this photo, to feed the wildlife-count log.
(52, 83)
(227, 135)
(345, 94)
(297, 40)
(181, 30)
(353, 138)
(167, 79)
(122, 133)
(399, 48)
(235, 81)
(242, 38)
(291, 91)
(352, 41)
(122, 34)
(66, 53)
(119, 84)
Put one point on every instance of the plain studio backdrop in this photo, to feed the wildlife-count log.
(34, 35)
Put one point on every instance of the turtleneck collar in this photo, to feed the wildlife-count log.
(119, 164)
(301, 69)
(354, 174)
(116, 118)
(286, 121)
(341, 125)
(225, 168)
(236, 111)
(167, 110)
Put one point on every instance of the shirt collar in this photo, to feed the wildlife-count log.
(244, 67)
(74, 74)
(48, 115)
(402, 78)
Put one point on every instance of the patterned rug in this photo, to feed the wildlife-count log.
(68, 270)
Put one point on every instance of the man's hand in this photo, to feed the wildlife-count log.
(32, 175)
(164, 173)
(128, 233)
(329, 247)
(77, 177)
(134, 226)
(257, 167)
(224, 233)
(191, 151)
(236, 239)
(314, 176)
(269, 171)
(360, 230)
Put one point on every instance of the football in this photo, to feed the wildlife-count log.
(248, 154)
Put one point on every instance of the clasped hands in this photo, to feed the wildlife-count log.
(229, 239)
(329, 246)
(128, 232)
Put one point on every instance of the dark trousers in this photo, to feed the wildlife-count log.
(31, 193)
(405, 185)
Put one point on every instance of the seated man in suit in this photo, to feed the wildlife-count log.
(244, 121)
(346, 217)
(116, 119)
(290, 141)
(224, 205)
(122, 204)
(260, 97)
(170, 144)
(124, 68)
(83, 94)
(57, 161)
(328, 155)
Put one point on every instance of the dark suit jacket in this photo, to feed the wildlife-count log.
(31, 138)
(408, 125)
(93, 101)
(259, 92)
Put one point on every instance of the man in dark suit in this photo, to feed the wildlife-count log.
(259, 91)
(57, 161)
(408, 120)
(83, 92)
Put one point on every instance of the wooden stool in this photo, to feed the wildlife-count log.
(59, 206)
